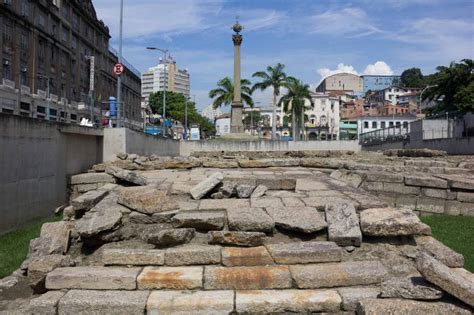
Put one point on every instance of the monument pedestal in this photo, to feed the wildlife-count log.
(236, 125)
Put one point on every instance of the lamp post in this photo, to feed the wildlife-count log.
(421, 94)
(165, 53)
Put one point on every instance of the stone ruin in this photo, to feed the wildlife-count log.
(254, 234)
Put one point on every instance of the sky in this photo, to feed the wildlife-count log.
(313, 38)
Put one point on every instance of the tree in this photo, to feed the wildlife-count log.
(274, 77)
(224, 93)
(176, 109)
(412, 78)
(295, 101)
(453, 85)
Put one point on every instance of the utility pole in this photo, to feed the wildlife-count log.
(165, 86)
(119, 79)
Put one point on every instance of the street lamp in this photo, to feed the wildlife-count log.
(165, 52)
(421, 94)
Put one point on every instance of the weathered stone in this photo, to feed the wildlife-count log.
(373, 186)
(204, 187)
(132, 256)
(220, 164)
(204, 220)
(406, 202)
(85, 187)
(293, 202)
(391, 222)
(262, 163)
(301, 219)
(384, 177)
(193, 255)
(291, 301)
(438, 193)
(255, 256)
(249, 239)
(191, 302)
(46, 303)
(400, 188)
(266, 202)
(465, 196)
(91, 178)
(448, 280)
(403, 307)
(321, 163)
(304, 252)
(42, 246)
(244, 191)
(464, 273)
(351, 179)
(146, 200)
(352, 295)
(173, 278)
(88, 200)
(343, 225)
(247, 278)
(58, 232)
(415, 288)
(122, 155)
(427, 204)
(228, 189)
(275, 183)
(92, 277)
(169, 237)
(159, 217)
(321, 202)
(8, 282)
(338, 274)
(219, 204)
(425, 181)
(127, 176)
(106, 215)
(38, 268)
(366, 201)
(440, 251)
(259, 191)
(303, 184)
(459, 182)
(103, 302)
(249, 219)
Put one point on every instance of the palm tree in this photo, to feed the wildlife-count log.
(295, 100)
(274, 77)
(224, 93)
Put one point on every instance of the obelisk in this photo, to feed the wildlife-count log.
(236, 125)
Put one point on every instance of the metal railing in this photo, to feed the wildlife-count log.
(390, 134)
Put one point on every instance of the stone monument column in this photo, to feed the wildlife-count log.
(236, 125)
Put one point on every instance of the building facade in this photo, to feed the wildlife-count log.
(379, 82)
(367, 124)
(223, 125)
(211, 113)
(323, 117)
(168, 77)
(347, 82)
(45, 53)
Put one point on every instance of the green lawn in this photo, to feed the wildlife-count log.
(14, 246)
(455, 232)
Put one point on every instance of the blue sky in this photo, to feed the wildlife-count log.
(313, 38)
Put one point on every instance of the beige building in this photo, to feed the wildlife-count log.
(177, 80)
(341, 82)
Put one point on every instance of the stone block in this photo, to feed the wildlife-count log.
(384, 177)
(408, 202)
(127, 176)
(432, 205)
(322, 202)
(58, 233)
(343, 225)
(172, 278)
(414, 288)
(93, 277)
(132, 256)
(193, 255)
(453, 207)
(402, 307)
(400, 188)
(465, 196)
(273, 183)
(305, 252)
(249, 219)
(103, 302)
(247, 278)
(236, 238)
(169, 237)
(425, 181)
(191, 302)
(266, 202)
(82, 188)
(38, 267)
(88, 200)
(259, 191)
(303, 184)
(392, 222)
(146, 200)
(372, 186)
(438, 193)
(220, 204)
(91, 178)
(254, 256)
(203, 220)
(450, 281)
(440, 251)
(291, 301)
(204, 187)
(45, 304)
(292, 202)
(351, 179)
(300, 219)
(351, 296)
(460, 182)
(338, 274)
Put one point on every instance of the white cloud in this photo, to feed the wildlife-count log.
(326, 72)
(348, 21)
(378, 68)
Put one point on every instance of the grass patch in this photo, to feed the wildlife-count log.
(14, 246)
(455, 232)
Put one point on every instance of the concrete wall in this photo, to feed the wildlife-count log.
(119, 140)
(186, 148)
(35, 159)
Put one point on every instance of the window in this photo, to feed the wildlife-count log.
(24, 8)
(390, 124)
(75, 21)
(6, 69)
(54, 28)
(24, 41)
(23, 75)
(382, 124)
(374, 125)
(7, 33)
(74, 42)
(41, 20)
(366, 125)
(405, 124)
(397, 124)
(332, 106)
(42, 50)
(65, 35)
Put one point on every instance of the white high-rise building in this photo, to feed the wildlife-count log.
(210, 113)
(156, 79)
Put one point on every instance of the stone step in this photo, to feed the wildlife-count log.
(133, 256)
(338, 274)
(253, 256)
(173, 278)
(305, 252)
(402, 307)
(93, 278)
